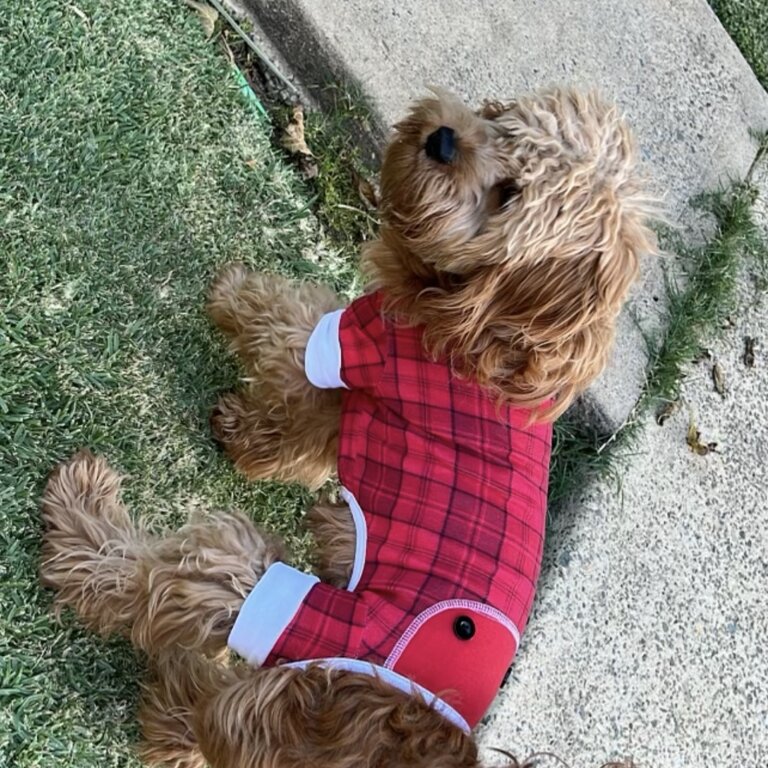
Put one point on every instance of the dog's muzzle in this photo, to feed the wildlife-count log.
(441, 145)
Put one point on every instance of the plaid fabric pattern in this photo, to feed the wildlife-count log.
(453, 488)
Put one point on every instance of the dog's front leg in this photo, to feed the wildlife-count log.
(278, 426)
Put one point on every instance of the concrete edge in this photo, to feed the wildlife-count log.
(315, 63)
(716, 20)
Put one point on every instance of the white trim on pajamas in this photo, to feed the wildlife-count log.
(268, 610)
(322, 358)
(361, 538)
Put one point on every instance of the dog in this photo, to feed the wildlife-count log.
(509, 239)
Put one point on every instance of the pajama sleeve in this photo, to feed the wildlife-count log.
(292, 616)
(348, 347)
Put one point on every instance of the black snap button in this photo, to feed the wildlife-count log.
(464, 628)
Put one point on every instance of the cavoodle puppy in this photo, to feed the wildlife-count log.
(509, 239)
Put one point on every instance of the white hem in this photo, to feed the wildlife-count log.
(322, 358)
(268, 610)
(361, 538)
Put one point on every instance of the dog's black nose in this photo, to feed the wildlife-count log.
(441, 145)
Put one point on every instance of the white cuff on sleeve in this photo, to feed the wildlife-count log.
(268, 610)
(322, 358)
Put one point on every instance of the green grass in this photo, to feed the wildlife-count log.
(747, 23)
(341, 167)
(129, 172)
(578, 456)
(336, 136)
(700, 300)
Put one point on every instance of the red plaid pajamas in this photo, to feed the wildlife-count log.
(450, 495)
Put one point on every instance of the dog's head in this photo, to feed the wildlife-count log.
(512, 235)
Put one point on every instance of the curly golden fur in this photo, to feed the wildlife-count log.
(515, 257)
(334, 533)
(195, 710)
(121, 579)
(176, 596)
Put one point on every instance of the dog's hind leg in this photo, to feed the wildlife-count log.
(169, 702)
(333, 529)
(185, 588)
(279, 427)
(197, 581)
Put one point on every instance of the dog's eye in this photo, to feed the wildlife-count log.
(502, 193)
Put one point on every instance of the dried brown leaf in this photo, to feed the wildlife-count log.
(718, 378)
(666, 411)
(695, 443)
(368, 192)
(294, 142)
(750, 342)
(293, 139)
(208, 16)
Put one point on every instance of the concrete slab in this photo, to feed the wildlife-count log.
(648, 636)
(668, 63)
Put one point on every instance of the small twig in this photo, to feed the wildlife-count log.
(367, 215)
(631, 418)
(761, 151)
(249, 42)
(228, 51)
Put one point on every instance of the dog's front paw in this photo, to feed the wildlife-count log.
(245, 433)
(226, 420)
(223, 300)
